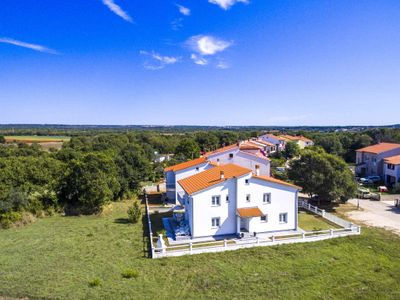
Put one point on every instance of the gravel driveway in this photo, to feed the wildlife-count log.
(378, 213)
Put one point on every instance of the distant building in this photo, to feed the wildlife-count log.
(392, 170)
(370, 160)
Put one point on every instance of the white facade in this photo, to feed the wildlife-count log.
(278, 142)
(369, 164)
(246, 191)
(392, 174)
(246, 159)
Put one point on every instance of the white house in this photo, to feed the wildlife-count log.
(182, 170)
(230, 200)
(244, 155)
(392, 170)
(279, 142)
(299, 139)
(370, 160)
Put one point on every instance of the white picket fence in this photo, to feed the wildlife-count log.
(235, 244)
(330, 217)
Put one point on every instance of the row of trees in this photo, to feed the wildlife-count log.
(81, 178)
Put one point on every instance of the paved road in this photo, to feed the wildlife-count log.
(378, 213)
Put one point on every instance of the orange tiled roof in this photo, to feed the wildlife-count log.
(258, 154)
(265, 143)
(379, 148)
(394, 160)
(248, 212)
(223, 149)
(249, 146)
(210, 177)
(186, 164)
(277, 181)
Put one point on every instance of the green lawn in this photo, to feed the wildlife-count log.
(57, 257)
(36, 138)
(309, 221)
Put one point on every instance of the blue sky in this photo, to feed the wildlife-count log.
(200, 62)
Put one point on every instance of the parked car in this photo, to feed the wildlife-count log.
(370, 179)
(364, 193)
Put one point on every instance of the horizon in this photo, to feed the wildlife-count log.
(210, 63)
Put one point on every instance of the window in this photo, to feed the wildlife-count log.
(227, 198)
(246, 181)
(215, 222)
(267, 198)
(215, 200)
(248, 197)
(230, 155)
(390, 166)
(264, 219)
(197, 168)
(283, 218)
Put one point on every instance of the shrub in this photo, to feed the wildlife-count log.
(135, 212)
(9, 218)
(95, 282)
(130, 273)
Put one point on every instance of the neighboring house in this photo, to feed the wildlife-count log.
(243, 154)
(300, 140)
(275, 140)
(230, 200)
(182, 170)
(392, 170)
(370, 160)
(265, 146)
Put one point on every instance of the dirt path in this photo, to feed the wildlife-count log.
(378, 213)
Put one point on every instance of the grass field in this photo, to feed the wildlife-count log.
(86, 258)
(311, 222)
(35, 139)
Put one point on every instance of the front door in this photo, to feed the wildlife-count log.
(244, 224)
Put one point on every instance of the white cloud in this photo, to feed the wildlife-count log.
(199, 60)
(208, 45)
(117, 10)
(183, 10)
(158, 61)
(226, 4)
(222, 65)
(27, 45)
(177, 24)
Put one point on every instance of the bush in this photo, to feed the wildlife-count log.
(135, 212)
(95, 282)
(9, 218)
(130, 273)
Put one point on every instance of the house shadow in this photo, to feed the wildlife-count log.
(122, 221)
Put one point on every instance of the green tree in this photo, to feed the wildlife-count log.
(324, 175)
(2, 140)
(188, 149)
(90, 183)
(292, 149)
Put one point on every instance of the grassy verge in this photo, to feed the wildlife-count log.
(89, 257)
(311, 222)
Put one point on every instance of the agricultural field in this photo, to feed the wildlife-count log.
(35, 139)
(105, 257)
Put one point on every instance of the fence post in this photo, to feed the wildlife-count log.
(258, 240)
(316, 209)
(225, 243)
(273, 238)
(303, 235)
(359, 229)
(323, 213)
(331, 232)
(309, 206)
(191, 248)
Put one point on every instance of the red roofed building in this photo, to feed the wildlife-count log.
(370, 160)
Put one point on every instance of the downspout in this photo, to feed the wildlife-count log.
(296, 212)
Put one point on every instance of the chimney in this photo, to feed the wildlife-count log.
(222, 175)
(217, 161)
(257, 170)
